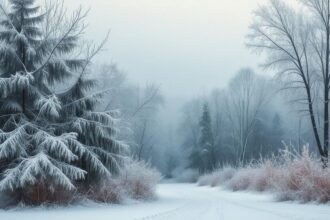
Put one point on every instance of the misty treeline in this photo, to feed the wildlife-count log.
(60, 127)
(250, 119)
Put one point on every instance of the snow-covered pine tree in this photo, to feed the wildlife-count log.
(49, 140)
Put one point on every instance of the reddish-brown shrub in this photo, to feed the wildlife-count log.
(40, 194)
(296, 177)
(264, 175)
(241, 180)
(109, 191)
(218, 177)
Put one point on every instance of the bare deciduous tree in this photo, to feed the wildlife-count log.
(297, 44)
(138, 107)
(246, 96)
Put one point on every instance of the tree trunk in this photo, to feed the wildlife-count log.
(326, 129)
(23, 54)
(326, 94)
(314, 125)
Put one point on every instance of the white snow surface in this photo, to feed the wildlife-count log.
(183, 202)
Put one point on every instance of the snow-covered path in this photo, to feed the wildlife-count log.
(185, 202)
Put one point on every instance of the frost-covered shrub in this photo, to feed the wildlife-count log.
(256, 177)
(108, 191)
(138, 180)
(304, 179)
(206, 179)
(264, 175)
(242, 179)
(217, 177)
(185, 175)
(225, 175)
(290, 177)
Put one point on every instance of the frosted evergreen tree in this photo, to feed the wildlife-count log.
(203, 157)
(50, 139)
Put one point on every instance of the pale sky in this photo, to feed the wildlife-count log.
(187, 46)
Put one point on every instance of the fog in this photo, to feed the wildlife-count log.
(171, 64)
(189, 48)
(174, 42)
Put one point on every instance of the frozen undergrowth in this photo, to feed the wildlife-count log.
(136, 181)
(290, 177)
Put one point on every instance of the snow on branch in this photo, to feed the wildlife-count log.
(38, 168)
(10, 180)
(96, 165)
(49, 106)
(20, 81)
(13, 143)
(40, 165)
(56, 145)
(70, 171)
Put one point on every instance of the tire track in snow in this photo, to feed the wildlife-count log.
(200, 209)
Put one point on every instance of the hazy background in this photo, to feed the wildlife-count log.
(188, 47)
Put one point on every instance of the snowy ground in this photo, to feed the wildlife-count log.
(184, 202)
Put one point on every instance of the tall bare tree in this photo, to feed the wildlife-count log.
(246, 96)
(297, 43)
